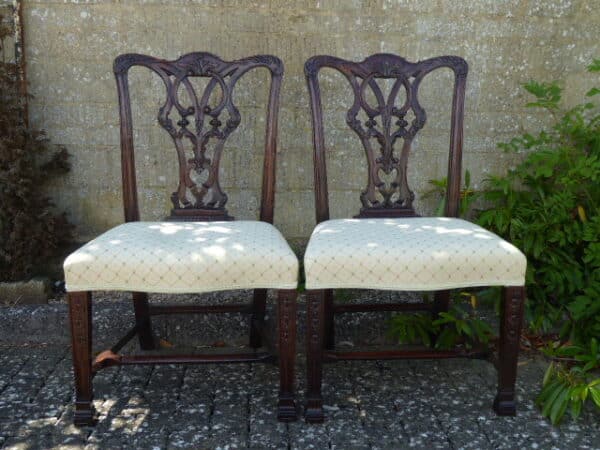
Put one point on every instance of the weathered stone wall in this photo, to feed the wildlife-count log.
(70, 46)
(7, 51)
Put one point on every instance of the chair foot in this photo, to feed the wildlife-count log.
(286, 409)
(313, 411)
(505, 404)
(84, 414)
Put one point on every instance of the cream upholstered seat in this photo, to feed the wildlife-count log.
(184, 257)
(409, 254)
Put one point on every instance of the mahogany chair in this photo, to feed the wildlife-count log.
(199, 248)
(387, 245)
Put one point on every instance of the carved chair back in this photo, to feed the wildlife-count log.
(386, 122)
(199, 195)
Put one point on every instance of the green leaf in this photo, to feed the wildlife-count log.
(595, 393)
(548, 374)
(554, 394)
(546, 392)
(594, 66)
(548, 94)
(592, 92)
(576, 408)
(588, 366)
(584, 393)
(559, 406)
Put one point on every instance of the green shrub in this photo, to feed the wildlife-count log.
(548, 207)
(30, 230)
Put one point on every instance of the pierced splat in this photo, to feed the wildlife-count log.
(198, 127)
(380, 121)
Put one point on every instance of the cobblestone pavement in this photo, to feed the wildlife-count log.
(384, 405)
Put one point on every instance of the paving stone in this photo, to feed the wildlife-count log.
(369, 405)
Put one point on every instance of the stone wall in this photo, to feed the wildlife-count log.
(70, 46)
(7, 50)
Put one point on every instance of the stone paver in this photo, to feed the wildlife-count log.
(371, 405)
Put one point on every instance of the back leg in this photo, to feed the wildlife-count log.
(142, 320)
(441, 302)
(329, 338)
(257, 320)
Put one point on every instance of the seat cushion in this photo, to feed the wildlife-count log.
(184, 257)
(409, 254)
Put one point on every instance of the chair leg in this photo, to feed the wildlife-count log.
(329, 339)
(142, 320)
(313, 411)
(441, 302)
(80, 313)
(257, 320)
(508, 349)
(286, 316)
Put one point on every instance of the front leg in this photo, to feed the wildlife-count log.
(508, 349)
(80, 313)
(315, 328)
(286, 317)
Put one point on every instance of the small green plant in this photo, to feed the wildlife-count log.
(569, 381)
(461, 325)
(30, 230)
(438, 191)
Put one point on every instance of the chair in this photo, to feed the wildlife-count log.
(387, 245)
(199, 248)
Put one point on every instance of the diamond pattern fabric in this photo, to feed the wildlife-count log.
(420, 254)
(184, 257)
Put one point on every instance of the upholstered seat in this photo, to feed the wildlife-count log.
(409, 254)
(184, 257)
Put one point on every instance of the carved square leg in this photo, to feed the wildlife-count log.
(286, 316)
(80, 313)
(508, 349)
(315, 328)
